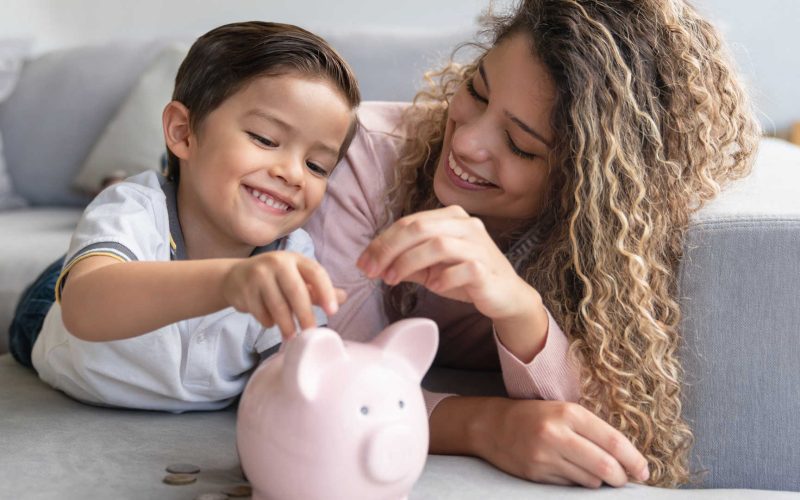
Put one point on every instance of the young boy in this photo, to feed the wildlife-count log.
(172, 286)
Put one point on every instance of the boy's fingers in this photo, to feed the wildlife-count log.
(257, 309)
(341, 295)
(322, 290)
(278, 308)
(296, 294)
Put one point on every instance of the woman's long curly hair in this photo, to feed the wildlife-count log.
(650, 121)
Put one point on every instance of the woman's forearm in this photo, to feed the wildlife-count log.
(459, 425)
(123, 300)
(525, 334)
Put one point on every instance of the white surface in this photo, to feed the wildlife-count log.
(771, 191)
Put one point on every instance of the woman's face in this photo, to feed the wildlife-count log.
(497, 137)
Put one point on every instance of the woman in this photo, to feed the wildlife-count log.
(542, 194)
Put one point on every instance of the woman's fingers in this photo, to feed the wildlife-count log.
(409, 232)
(571, 473)
(438, 250)
(594, 461)
(613, 442)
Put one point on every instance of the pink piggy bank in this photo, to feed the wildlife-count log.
(332, 419)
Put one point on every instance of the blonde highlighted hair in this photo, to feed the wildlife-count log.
(650, 122)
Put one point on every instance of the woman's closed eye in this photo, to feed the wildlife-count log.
(470, 84)
(474, 93)
(516, 150)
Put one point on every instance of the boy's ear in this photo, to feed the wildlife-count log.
(175, 121)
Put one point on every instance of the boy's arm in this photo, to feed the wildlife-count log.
(105, 299)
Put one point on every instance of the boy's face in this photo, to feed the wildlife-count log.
(259, 164)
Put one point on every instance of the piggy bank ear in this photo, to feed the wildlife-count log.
(308, 356)
(413, 339)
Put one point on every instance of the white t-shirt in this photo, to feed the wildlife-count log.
(197, 364)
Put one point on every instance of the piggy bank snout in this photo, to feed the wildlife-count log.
(392, 453)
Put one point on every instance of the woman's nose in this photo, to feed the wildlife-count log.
(470, 141)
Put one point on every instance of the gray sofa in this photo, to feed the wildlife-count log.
(739, 286)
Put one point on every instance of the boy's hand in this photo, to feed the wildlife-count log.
(277, 287)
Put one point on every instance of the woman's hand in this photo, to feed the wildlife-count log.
(543, 441)
(277, 287)
(450, 253)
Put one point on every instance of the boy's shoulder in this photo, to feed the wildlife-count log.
(145, 185)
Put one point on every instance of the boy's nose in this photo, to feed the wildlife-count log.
(289, 170)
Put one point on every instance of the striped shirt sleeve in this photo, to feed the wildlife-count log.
(127, 222)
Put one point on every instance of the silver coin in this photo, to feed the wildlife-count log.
(179, 479)
(183, 469)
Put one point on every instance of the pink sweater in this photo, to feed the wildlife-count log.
(345, 223)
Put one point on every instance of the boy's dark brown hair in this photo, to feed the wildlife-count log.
(226, 58)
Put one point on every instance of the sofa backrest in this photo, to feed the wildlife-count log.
(740, 300)
(65, 99)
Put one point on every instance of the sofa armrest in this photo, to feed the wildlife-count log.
(740, 299)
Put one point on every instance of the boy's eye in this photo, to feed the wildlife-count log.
(316, 169)
(470, 84)
(263, 140)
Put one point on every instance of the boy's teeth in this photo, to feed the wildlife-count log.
(272, 202)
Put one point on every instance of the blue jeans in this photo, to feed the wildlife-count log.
(31, 310)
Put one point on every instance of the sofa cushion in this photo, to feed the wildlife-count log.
(134, 142)
(32, 239)
(63, 102)
(12, 53)
(68, 450)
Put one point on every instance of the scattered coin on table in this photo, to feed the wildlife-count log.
(183, 468)
(240, 490)
(214, 495)
(179, 479)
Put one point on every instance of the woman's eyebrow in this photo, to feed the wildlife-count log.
(527, 128)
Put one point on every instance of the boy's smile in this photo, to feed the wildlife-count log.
(258, 165)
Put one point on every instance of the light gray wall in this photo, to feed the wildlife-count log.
(64, 23)
(763, 35)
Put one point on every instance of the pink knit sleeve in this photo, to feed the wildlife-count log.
(433, 398)
(551, 375)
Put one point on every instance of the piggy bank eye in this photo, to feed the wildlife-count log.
(364, 410)
(402, 404)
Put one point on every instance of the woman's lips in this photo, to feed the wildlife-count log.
(462, 178)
